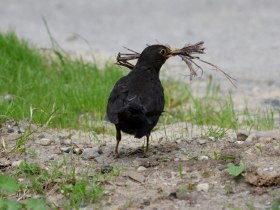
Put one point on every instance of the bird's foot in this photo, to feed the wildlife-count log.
(145, 155)
(116, 155)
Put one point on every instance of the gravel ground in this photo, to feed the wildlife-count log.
(181, 171)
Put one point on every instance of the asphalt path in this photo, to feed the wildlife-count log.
(241, 36)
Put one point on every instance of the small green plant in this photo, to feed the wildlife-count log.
(181, 170)
(182, 189)
(216, 155)
(8, 186)
(82, 191)
(236, 170)
(191, 186)
(29, 168)
(228, 189)
(276, 204)
(260, 147)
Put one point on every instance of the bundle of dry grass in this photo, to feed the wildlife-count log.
(188, 54)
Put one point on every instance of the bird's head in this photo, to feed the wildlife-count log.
(154, 56)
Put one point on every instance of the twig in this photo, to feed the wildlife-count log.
(187, 55)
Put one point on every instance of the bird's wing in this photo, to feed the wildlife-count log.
(117, 100)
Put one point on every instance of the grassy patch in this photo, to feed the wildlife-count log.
(40, 88)
(55, 90)
(75, 189)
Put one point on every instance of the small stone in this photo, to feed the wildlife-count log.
(202, 187)
(106, 169)
(65, 149)
(44, 142)
(49, 158)
(10, 129)
(41, 135)
(202, 141)
(241, 136)
(203, 157)
(78, 151)
(252, 137)
(90, 153)
(211, 138)
(136, 176)
(17, 163)
(9, 98)
(4, 162)
(232, 140)
(99, 159)
(21, 130)
(141, 168)
(146, 202)
(67, 142)
(173, 195)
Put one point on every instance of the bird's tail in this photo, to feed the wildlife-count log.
(136, 112)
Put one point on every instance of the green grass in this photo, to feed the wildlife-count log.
(76, 189)
(59, 88)
(55, 90)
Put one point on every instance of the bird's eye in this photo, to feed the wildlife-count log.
(162, 51)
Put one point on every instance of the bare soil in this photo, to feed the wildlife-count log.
(181, 172)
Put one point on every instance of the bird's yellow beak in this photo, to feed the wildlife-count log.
(175, 51)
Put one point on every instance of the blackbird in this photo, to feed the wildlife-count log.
(137, 100)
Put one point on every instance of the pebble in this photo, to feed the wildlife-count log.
(99, 159)
(136, 176)
(66, 141)
(21, 130)
(91, 153)
(232, 140)
(172, 195)
(106, 169)
(9, 98)
(17, 163)
(141, 168)
(211, 138)
(4, 162)
(146, 201)
(268, 169)
(78, 151)
(203, 157)
(10, 129)
(41, 135)
(44, 141)
(202, 141)
(202, 187)
(49, 158)
(241, 136)
(252, 137)
(65, 149)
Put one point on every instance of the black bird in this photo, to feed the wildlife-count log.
(137, 100)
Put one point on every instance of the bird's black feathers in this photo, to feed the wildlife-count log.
(137, 100)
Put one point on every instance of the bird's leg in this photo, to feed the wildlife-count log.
(118, 138)
(147, 146)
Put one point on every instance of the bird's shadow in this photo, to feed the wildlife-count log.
(154, 150)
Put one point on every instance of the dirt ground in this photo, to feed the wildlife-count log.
(182, 171)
